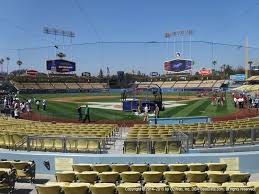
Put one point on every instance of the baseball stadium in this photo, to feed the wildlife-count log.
(103, 100)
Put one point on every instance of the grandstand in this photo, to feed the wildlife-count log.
(40, 87)
(252, 84)
(189, 85)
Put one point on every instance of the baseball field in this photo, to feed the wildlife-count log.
(107, 106)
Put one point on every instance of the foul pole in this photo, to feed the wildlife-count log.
(246, 62)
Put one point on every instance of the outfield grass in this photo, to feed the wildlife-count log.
(201, 107)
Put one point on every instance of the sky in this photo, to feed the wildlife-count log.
(140, 23)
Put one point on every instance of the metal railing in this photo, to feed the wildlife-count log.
(223, 137)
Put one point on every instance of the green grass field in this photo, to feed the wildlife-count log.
(201, 107)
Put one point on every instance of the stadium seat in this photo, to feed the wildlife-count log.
(152, 176)
(7, 180)
(196, 176)
(81, 167)
(25, 169)
(120, 167)
(156, 188)
(98, 188)
(93, 145)
(218, 177)
(101, 167)
(48, 189)
(109, 177)
(143, 147)
(239, 177)
(217, 166)
(198, 167)
(139, 167)
(174, 176)
(76, 188)
(130, 176)
(129, 188)
(160, 147)
(159, 167)
(130, 147)
(87, 177)
(6, 164)
(178, 167)
(173, 147)
(65, 177)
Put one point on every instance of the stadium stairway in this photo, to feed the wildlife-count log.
(117, 147)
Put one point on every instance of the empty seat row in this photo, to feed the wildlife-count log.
(152, 177)
(148, 188)
(179, 167)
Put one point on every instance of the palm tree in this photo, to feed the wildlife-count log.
(214, 64)
(7, 65)
(1, 63)
(19, 63)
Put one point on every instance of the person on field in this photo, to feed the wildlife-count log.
(87, 114)
(79, 110)
(38, 105)
(156, 111)
(44, 103)
(146, 113)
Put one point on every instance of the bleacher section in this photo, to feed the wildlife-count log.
(60, 86)
(33, 135)
(207, 84)
(32, 86)
(180, 178)
(193, 84)
(47, 86)
(168, 84)
(180, 84)
(243, 131)
(189, 85)
(73, 86)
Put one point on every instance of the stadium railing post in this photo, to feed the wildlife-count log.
(253, 135)
(191, 139)
(209, 139)
(231, 137)
(28, 143)
(64, 145)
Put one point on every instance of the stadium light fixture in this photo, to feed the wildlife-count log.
(180, 33)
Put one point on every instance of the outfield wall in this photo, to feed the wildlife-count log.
(244, 161)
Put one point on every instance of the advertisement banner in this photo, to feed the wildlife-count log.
(238, 77)
(178, 66)
(61, 66)
(205, 71)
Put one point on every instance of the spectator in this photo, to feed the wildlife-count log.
(146, 113)
(256, 101)
(44, 104)
(38, 105)
(87, 114)
(79, 110)
(156, 113)
(5, 102)
(16, 113)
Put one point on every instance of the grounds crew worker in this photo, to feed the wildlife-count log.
(87, 114)
(156, 113)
